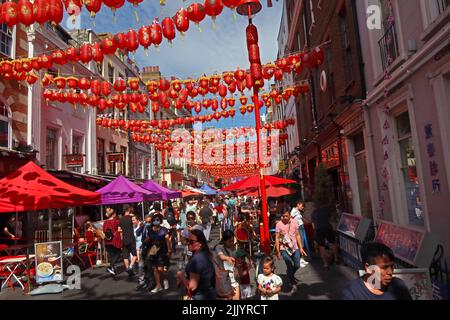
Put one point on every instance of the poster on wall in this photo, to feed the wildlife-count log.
(48, 262)
(405, 242)
(348, 224)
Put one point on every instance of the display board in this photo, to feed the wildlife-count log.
(49, 262)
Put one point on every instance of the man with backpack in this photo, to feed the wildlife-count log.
(113, 240)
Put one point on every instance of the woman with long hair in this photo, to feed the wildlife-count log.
(199, 276)
(226, 258)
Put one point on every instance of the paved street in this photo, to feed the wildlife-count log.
(97, 284)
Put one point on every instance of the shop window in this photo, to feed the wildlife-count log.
(51, 149)
(5, 125)
(6, 40)
(409, 170)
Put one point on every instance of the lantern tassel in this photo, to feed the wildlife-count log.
(234, 15)
(214, 23)
(146, 52)
(182, 35)
(136, 14)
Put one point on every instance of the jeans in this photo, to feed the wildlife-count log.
(292, 264)
(207, 230)
(114, 255)
(207, 295)
(304, 238)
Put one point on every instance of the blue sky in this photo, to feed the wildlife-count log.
(198, 53)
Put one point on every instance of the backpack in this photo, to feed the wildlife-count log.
(222, 281)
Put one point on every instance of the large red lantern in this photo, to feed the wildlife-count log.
(144, 37)
(56, 11)
(181, 20)
(106, 88)
(84, 84)
(98, 55)
(278, 74)
(93, 6)
(164, 84)
(46, 80)
(86, 53)
(196, 13)
(168, 29)
(132, 41)
(120, 40)
(152, 86)
(268, 71)
(96, 87)
(156, 33)
(73, 54)
(41, 11)
(25, 12)
(133, 83)
(60, 82)
(143, 99)
(59, 57)
(232, 87)
(31, 78)
(108, 46)
(10, 14)
(120, 85)
(213, 8)
(102, 105)
(73, 7)
(72, 82)
(228, 77)
(114, 4)
(45, 61)
(239, 74)
(223, 90)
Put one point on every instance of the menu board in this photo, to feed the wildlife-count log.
(49, 266)
(405, 242)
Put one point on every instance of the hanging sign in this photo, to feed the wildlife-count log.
(74, 160)
(330, 156)
(116, 157)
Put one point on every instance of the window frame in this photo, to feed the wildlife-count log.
(8, 119)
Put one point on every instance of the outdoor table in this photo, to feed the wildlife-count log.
(17, 249)
(11, 264)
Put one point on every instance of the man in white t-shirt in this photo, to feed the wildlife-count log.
(296, 214)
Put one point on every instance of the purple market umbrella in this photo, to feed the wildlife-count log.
(166, 194)
(122, 191)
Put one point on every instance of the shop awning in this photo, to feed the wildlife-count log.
(253, 182)
(165, 194)
(122, 191)
(271, 192)
(208, 190)
(31, 188)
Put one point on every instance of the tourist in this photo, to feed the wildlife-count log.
(220, 208)
(289, 245)
(128, 241)
(155, 209)
(146, 276)
(112, 237)
(206, 216)
(226, 258)
(296, 214)
(199, 276)
(378, 282)
(269, 284)
(191, 224)
(137, 228)
(159, 251)
(13, 230)
(243, 265)
(323, 231)
(192, 206)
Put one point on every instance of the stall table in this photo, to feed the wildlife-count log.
(12, 263)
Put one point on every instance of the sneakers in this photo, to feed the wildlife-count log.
(303, 263)
(166, 284)
(111, 271)
(156, 290)
(130, 272)
(294, 289)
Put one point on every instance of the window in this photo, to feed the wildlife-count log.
(101, 155)
(124, 163)
(6, 40)
(442, 5)
(409, 170)
(77, 145)
(51, 148)
(388, 43)
(346, 47)
(5, 126)
(362, 175)
(112, 165)
(110, 73)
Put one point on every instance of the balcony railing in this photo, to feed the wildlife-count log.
(389, 47)
(442, 5)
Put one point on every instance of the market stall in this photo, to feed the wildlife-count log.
(165, 193)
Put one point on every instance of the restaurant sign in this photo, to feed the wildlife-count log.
(74, 160)
(330, 156)
(49, 262)
(116, 157)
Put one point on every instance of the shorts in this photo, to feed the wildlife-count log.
(325, 234)
(160, 260)
(129, 249)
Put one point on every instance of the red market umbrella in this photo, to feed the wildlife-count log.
(271, 191)
(253, 182)
(30, 188)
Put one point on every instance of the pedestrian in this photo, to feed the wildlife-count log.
(226, 258)
(155, 208)
(220, 208)
(112, 237)
(289, 245)
(199, 275)
(296, 214)
(146, 276)
(192, 205)
(378, 282)
(13, 230)
(138, 226)
(323, 231)
(206, 216)
(243, 265)
(128, 241)
(269, 284)
(158, 242)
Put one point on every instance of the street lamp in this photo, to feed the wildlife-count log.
(250, 8)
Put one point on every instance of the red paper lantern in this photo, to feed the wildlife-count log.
(109, 47)
(223, 90)
(132, 41)
(135, 97)
(47, 79)
(231, 102)
(240, 85)
(102, 105)
(96, 87)
(106, 88)
(268, 71)
(243, 100)
(232, 87)
(41, 11)
(278, 99)
(120, 41)
(120, 85)
(26, 65)
(155, 106)
(60, 82)
(56, 11)
(116, 98)
(31, 78)
(84, 84)
(168, 29)
(133, 83)
(17, 66)
(93, 6)
(72, 6)
(193, 93)
(98, 55)
(73, 54)
(10, 14)
(214, 105)
(232, 112)
(86, 53)
(181, 20)
(25, 12)
(135, 2)
(143, 99)
(213, 8)
(239, 75)
(176, 85)
(164, 84)
(114, 4)
(156, 33)
(173, 94)
(232, 4)
(144, 37)
(228, 77)
(243, 110)
(45, 61)
(278, 74)
(152, 86)
(59, 57)
(196, 13)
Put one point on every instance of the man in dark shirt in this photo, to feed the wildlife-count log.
(378, 283)
(128, 241)
(206, 215)
(323, 232)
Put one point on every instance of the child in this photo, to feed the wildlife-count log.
(243, 268)
(269, 284)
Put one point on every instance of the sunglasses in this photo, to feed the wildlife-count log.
(191, 241)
